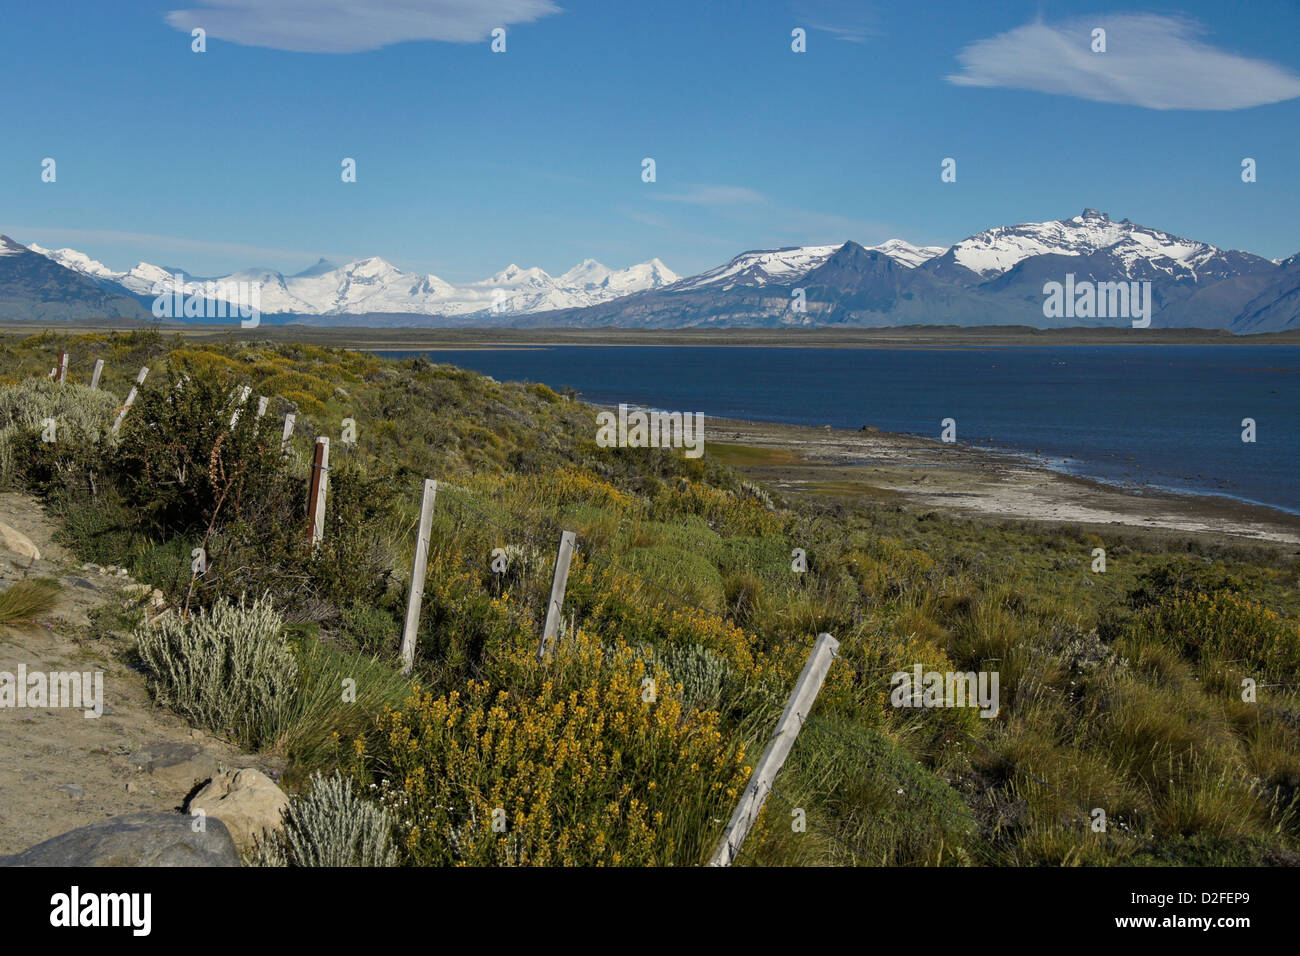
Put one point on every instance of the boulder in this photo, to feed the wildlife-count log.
(173, 767)
(247, 801)
(18, 543)
(135, 839)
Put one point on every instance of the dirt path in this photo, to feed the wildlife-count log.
(59, 769)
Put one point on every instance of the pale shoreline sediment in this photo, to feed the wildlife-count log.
(976, 482)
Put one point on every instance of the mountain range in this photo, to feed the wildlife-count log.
(996, 277)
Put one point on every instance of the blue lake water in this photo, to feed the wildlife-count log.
(1166, 416)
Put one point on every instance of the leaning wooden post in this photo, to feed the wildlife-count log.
(130, 399)
(244, 392)
(99, 370)
(778, 748)
(63, 367)
(559, 581)
(417, 576)
(285, 446)
(319, 481)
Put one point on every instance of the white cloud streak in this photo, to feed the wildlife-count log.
(351, 26)
(1153, 61)
(707, 195)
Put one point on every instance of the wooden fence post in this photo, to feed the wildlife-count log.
(99, 370)
(63, 367)
(130, 399)
(285, 446)
(778, 748)
(418, 567)
(319, 482)
(559, 581)
(242, 400)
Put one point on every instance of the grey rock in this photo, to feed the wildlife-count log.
(175, 767)
(74, 790)
(135, 839)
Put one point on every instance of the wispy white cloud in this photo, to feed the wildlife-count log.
(350, 26)
(1154, 61)
(850, 20)
(701, 194)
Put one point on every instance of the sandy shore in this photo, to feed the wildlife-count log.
(929, 474)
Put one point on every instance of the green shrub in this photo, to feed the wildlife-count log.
(1179, 578)
(371, 629)
(228, 669)
(184, 467)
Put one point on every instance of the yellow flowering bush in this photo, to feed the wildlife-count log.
(607, 770)
(737, 514)
(202, 361)
(1225, 626)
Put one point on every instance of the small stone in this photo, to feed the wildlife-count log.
(73, 790)
(130, 786)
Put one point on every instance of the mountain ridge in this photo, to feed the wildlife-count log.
(997, 276)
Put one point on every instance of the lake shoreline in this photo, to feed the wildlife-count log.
(416, 338)
(848, 465)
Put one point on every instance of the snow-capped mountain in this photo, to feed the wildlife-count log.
(762, 267)
(374, 285)
(36, 288)
(1141, 252)
(998, 276)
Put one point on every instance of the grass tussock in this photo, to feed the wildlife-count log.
(24, 600)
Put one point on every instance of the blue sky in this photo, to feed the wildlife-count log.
(469, 160)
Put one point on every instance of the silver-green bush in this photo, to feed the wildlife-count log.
(83, 417)
(229, 669)
(331, 826)
(705, 676)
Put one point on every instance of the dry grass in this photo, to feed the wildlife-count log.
(25, 600)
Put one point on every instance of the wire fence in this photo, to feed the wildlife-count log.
(865, 677)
